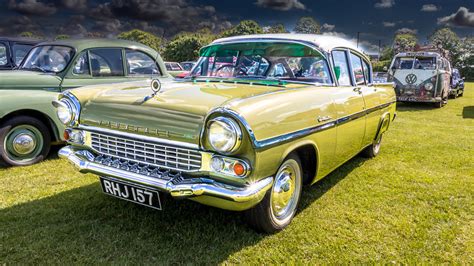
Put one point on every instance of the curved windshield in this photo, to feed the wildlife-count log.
(263, 60)
(418, 62)
(48, 58)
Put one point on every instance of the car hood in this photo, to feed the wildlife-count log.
(176, 112)
(21, 79)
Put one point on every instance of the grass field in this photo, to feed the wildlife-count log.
(413, 203)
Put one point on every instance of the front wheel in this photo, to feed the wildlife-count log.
(24, 140)
(374, 149)
(278, 207)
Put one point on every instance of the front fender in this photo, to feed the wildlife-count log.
(29, 101)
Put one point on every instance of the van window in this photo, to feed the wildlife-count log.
(425, 63)
(340, 62)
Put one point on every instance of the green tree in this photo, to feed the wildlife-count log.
(62, 37)
(465, 61)
(307, 25)
(185, 46)
(277, 28)
(245, 27)
(142, 37)
(448, 40)
(28, 34)
(386, 54)
(404, 42)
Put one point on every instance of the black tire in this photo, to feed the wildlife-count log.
(262, 217)
(461, 94)
(41, 147)
(374, 149)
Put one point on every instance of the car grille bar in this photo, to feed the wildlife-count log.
(155, 154)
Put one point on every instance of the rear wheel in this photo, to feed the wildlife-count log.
(374, 149)
(278, 207)
(24, 140)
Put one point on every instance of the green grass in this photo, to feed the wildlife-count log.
(413, 203)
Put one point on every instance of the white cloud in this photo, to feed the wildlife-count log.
(364, 45)
(389, 24)
(429, 8)
(462, 18)
(328, 27)
(282, 5)
(385, 4)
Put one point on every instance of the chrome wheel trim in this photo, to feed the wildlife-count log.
(377, 144)
(24, 143)
(285, 192)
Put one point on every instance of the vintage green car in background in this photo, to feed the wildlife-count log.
(259, 117)
(28, 122)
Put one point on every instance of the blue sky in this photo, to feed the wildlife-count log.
(375, 19)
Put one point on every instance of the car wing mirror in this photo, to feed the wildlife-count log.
(463, 78)
(337, 72)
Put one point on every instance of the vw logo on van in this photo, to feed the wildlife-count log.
(411, 79)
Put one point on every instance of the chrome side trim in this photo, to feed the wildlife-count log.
(139, 137)
(180, 188)
(267, 143)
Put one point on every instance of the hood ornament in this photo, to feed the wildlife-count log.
(155, 86)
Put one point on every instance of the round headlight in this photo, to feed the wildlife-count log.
(224, 134)
(428, 86)
(65, 111)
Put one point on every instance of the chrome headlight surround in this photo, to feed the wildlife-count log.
(428, 86)
(67, 109)
(224, 135)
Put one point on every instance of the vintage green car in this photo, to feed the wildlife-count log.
(259, 117)
(28, 122)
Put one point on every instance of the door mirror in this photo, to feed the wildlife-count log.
(463, 78)
(385, 69)
(337, 71)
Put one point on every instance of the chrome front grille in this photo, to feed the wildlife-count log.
(153, 154)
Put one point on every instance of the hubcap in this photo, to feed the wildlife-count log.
(377, 145)
(24, 143)
(285, 191)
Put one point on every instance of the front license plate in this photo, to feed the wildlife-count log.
(131, 192)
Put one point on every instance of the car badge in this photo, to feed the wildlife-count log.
(155, 86)
(411, 79)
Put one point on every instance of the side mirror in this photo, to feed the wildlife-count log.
(463, 78)
(385, 68)
(337, 71)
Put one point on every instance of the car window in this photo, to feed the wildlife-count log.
(366, 70)
(357, 69)
(106, 62)
(3, 55)
(20, 51)
(139, 63)
(176, 66)
(81, 67)
(340, 62)
(48, 58)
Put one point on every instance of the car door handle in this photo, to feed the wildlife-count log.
(324, 118)
(357, 89)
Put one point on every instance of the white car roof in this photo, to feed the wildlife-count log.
(323, 42)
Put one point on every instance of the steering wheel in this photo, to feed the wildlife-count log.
(242, 70)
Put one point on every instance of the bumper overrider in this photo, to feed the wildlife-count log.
(200, 189)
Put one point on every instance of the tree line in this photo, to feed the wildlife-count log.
(185, 45)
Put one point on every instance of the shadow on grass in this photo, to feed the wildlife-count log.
(83, 225)
(468, 112)
(414, 107)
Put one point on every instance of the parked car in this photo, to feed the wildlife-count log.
(421, 77)
(457, 84)
(174, 69)
(188, 65)
(13, 50)
(380, 77)
(28, 122)
(247, 142)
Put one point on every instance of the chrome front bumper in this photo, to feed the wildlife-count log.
(204, 190)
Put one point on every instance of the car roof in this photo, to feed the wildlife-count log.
(323, 42)
(20, 39)
(82, 44)
(418, 54)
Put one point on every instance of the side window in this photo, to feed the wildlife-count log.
(139, 63)
(341, 66)
(366, 71)
(106, 62)
(20, 51)
(81, 66)
(357, 69)
(3, 55)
